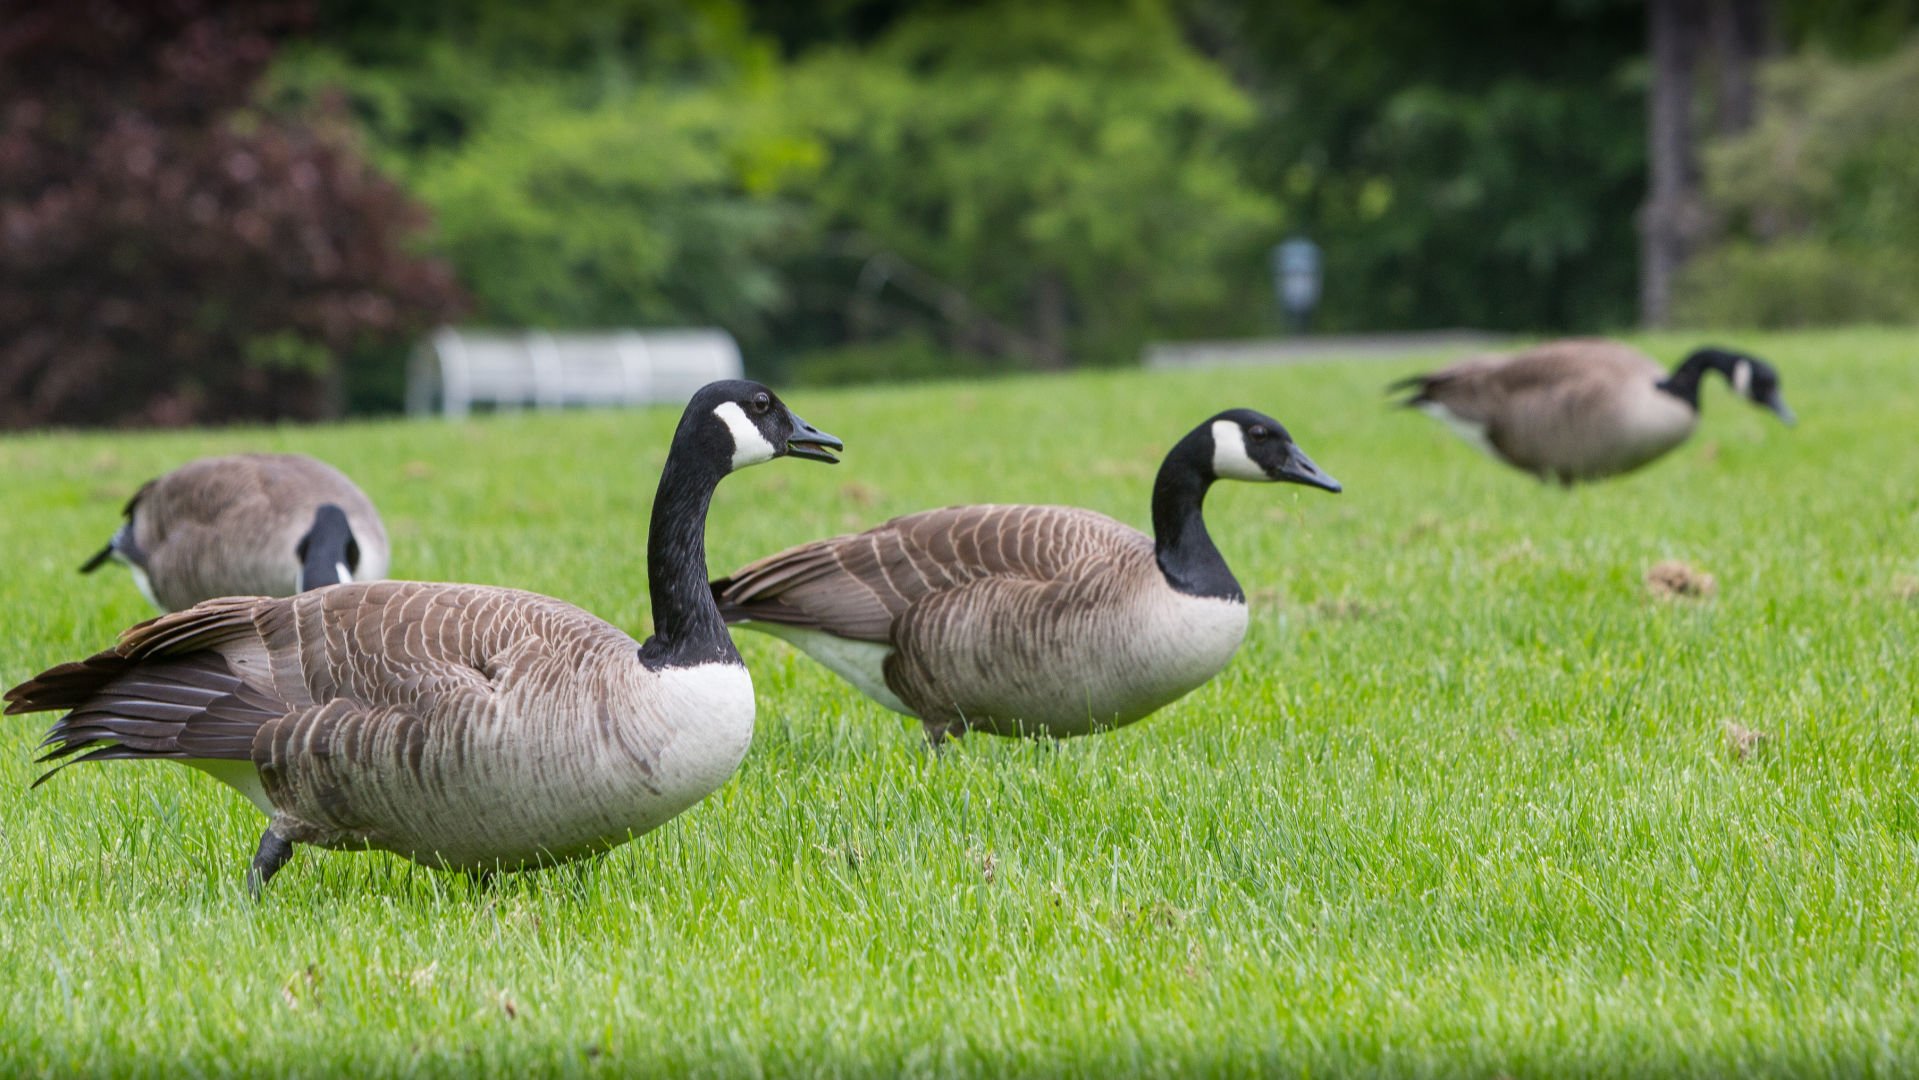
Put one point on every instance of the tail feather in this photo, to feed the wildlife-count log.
(754, 608)
(162, 692)
(65, 686)
(1418, 384)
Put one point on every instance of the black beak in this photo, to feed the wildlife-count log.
(810, 442)
(1778, 405)
(1299, 469)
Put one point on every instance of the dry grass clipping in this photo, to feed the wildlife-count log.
(1742, 742)
(1674, 580)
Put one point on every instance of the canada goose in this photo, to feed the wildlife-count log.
(1582, 409)
(462, 726)
(1028, 620)
(246, 525)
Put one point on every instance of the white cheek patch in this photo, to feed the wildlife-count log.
(749, 446)
(345, 575)
(1742, 378)
(1230, 460)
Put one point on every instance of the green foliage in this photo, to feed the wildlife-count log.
(1856, 28)
(574, 181)
(1797, 282)
(1064, 172)
(905, 357)
(1461, 806)
(653, 210)
(1474, 163)
(1820, 200)
(1068, 167)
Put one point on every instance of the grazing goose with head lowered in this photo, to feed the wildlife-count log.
(246, 525)
(1583, 409)
(462, 726)
(1028, 620)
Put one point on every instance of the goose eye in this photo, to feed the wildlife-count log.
(1257, 431)
(762, 401)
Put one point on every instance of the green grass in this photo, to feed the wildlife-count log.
(1462, 805)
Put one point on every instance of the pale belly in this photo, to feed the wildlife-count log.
(1064, 679)
(1601, 443)
(510, 798)
(1095, 682)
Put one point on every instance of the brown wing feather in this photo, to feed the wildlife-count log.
(857, 586)
(1486, 389)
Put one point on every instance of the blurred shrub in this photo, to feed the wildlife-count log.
(1053, 180)
(1068, 168)
(171, 255)
(589, 164)
(1818, 203)
(1469, 163)
(652, 209)
(908, 357)
(1798, 282)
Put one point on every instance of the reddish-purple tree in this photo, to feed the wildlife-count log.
(168, 254)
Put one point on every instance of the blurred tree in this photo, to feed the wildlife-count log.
(1066, 171)
(171, 255)
(1857, 29)
(589, 163)
(1469, 163)
(1817, 205)
(654, 209)
(1684, 35)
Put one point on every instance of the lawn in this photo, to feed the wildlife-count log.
(1466, 803)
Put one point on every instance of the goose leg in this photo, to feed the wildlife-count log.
(940, 732)
(274, 852)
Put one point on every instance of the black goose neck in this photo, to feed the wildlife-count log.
(1683, 383)
(1184, 549)
(328, 552)
(687, 628)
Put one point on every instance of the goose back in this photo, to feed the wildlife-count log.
(230, 526)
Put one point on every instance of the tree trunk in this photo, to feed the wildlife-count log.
(1672, 218)
(1739, 35)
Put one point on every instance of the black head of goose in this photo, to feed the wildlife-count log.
(1583, 409)
(1028, 620)
(328, 553)
(246, 525)
(461, 726)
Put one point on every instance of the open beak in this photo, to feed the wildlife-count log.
(810, 442)
(1299, 469)
(1778, 405)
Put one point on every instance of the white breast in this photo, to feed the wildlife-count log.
(712, 726)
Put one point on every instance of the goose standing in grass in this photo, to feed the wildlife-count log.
(1583, 409)
(246, 525)
(1028, 620)
(461, 726)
